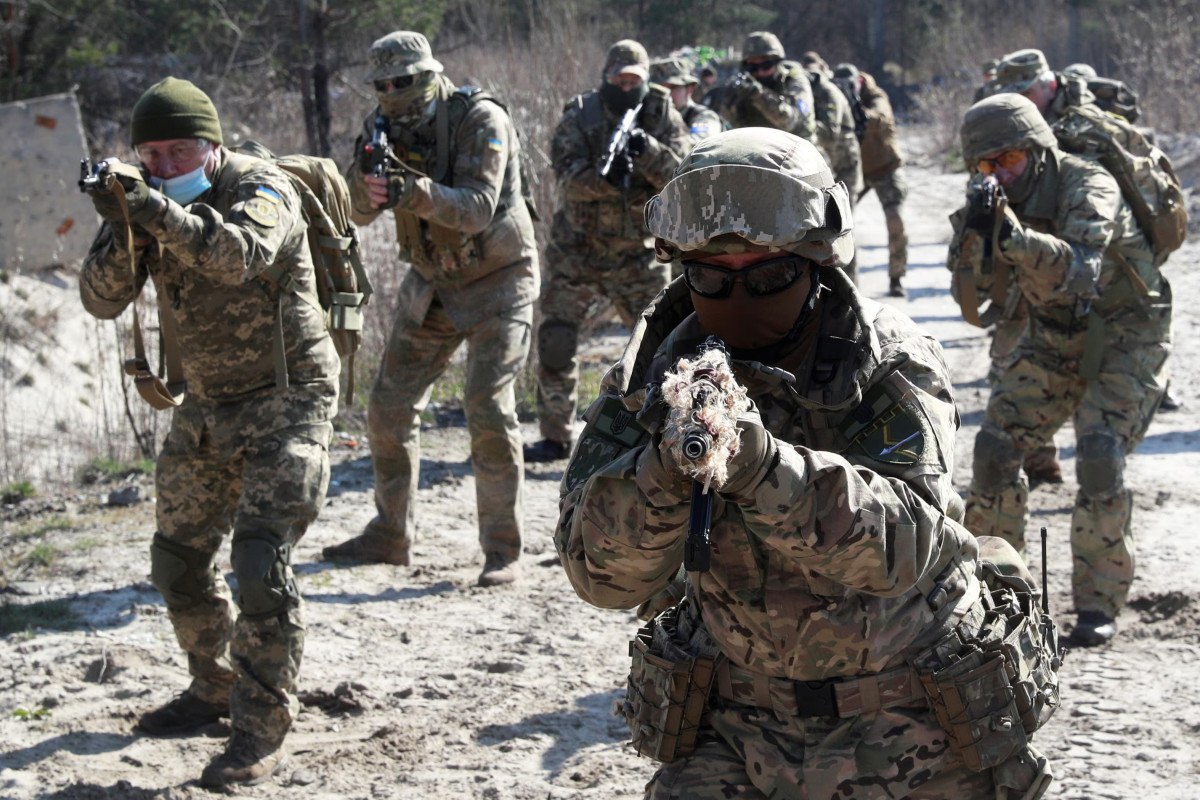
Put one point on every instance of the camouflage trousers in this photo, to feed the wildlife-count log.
(1036, 394)
(575, 275)
(1006, 335)
(249, 471)
(417, 354)
(891, 189)
(754, 754)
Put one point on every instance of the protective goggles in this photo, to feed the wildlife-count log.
(1008, 160)
(761, 66)
(764, 278)
(386, 85)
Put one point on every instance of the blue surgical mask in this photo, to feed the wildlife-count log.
(184, 188)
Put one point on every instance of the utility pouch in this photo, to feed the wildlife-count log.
(667, 690)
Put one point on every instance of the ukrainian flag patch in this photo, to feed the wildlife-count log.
(495, 144)
(267, 193)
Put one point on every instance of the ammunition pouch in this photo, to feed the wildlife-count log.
(992, 688)
(667, 690)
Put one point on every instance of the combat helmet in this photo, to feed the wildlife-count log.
(1084, 72)
(846, 71)
(627, 57)
(753, 188)
(1003, 122)
(1019, 70)
(401, 53)
(762, 44)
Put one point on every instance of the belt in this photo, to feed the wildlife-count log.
(835, 697)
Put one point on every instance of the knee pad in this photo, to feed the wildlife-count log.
(1100, 464)
(557, 343)
(182, 575)
(265, 586)
(997, 460)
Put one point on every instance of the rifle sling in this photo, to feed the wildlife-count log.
(152, 389)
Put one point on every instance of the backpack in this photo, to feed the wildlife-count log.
(342, 284)
(1115, 97)
(1148, 181)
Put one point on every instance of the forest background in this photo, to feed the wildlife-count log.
(289, 73)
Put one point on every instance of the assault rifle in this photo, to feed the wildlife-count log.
(94, 178)
(709, 425)
(618, 146)
(378, 151)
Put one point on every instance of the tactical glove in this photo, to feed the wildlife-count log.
(757, 456)
(622, 168)
(142, 201)
(401, 184)
(637, 143)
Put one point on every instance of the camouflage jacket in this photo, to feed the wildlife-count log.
(467, 233)
(835, 131)
(702, 122)
(593, 210)
(880, 152)
(1072, 93)
(1076, 244)
(214, 252)
(828, 566)
(783, 101)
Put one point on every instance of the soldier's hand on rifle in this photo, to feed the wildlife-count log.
(141, 201)
(622, 168)
(394, 188)
(755, 457)
(637, 143)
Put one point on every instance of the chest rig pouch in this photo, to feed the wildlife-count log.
(668, 686)
(992, 688)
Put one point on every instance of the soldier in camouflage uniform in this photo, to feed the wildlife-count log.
(675, 75)
(598, 243)
(246, 451)
(1094, 349)
(769, 92)
(838, 519)
(463, 224)
(835, 126)
(882, 163)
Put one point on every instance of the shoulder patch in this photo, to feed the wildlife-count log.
(890, 430)
(267, 193)
(262, 211)
(611, 431)
(496, 144)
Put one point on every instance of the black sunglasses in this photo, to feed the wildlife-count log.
(392, 84)
(760, 66)
(764, 278)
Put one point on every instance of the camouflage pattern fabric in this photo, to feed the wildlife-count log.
(1076, 223)
(242, 469)
(470, 238)
(783, 101)
(242, 455)
(755, 754)
(418, 352)
(599, 245)
(835, 131)
(701, 122)
(817, 568)
(474, 277)
(891, 189)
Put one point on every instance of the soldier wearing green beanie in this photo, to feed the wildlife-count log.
(247, 449)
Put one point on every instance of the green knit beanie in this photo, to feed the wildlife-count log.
(174, 109)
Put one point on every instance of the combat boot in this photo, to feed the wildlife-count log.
(247, 760)
(183, 714)
(370, 548)
(1169, 402)
(499, 570)
(547, 450)
(895, 289)
(1093, 628)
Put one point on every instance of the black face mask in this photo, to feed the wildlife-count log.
(619, 101)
